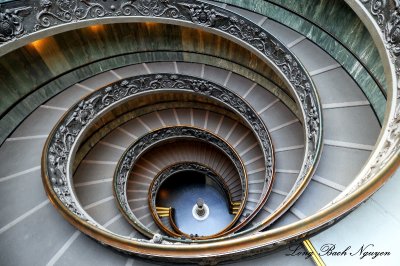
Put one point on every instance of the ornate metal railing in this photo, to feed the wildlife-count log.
(65, 138)
(21, 24)
(38, 19)
(63, 141)
(157, 137)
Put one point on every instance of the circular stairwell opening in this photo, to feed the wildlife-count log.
(182, 192)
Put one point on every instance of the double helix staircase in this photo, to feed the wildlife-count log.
(260, 133)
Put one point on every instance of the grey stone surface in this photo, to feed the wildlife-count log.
(94, 193)
(135, 127)
(121, 227)
(184, 116)
(105, 212)
(237, 134)
(288, 218)
(189, 69)
(351, 124)
(274, 200)
(239, 84)
(387, 197)
(288, 136)
(227, 125)
(151, 120)
(215, 74)
(246, 143)
(281, 115)
(36, 239)
(119, 138)
(283, 33)
(340, 165)
(335, 86)
(27, 192)
(161, 67)
(315, 197)
(259, 98)
(311, 56)
(254, 17)
(99, 81)
(130, 71)
(284, 181)
(21, 155)
(103, 152)
(252, 153)
(257, 164)
(289, 160)
(40, 122)
(213, 120)
(90, 252)
(68, 97)
(87, 173)
(168, 117)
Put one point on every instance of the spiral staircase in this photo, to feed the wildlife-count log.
(195, 132)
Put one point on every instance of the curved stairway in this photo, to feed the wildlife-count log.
(350, 124)
(94, 175)
(109, 150)
(237, 135)
(350, 132)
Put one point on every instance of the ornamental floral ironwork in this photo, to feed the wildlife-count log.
(11, 23)
(83, 113)
(50, 13)
(387, 15)
(149, 8)
(64, 11)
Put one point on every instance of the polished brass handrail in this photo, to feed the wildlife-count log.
(381, 165)
(234, 206)
(175, 227)
(169, 214)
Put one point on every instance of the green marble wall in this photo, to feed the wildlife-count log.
(335, 17)
(35, 73)
(344, 25)
(25, 69)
